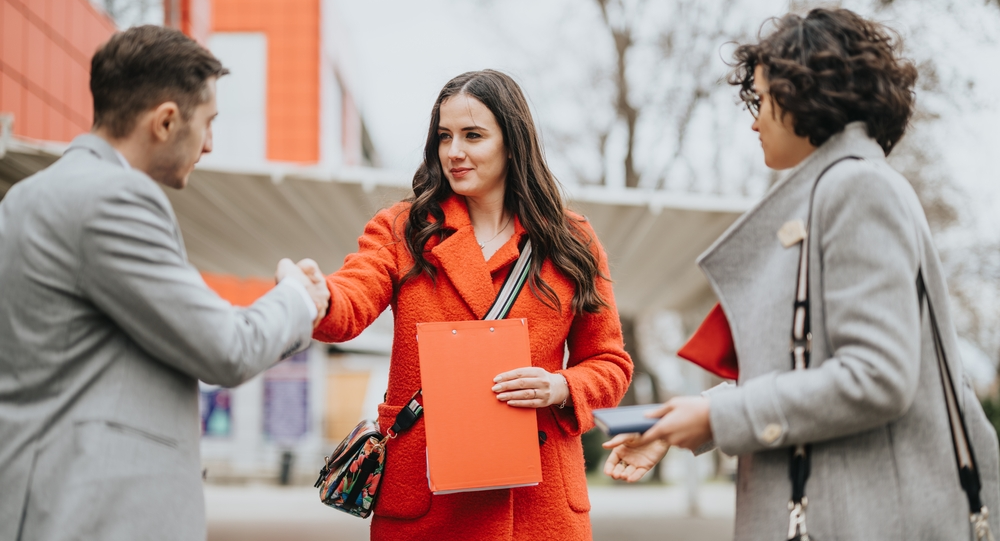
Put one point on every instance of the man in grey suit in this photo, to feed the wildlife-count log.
(105, 329)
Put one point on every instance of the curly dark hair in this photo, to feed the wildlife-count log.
(532, 193)
(831, 68)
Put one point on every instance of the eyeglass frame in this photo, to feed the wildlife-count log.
(752, 102)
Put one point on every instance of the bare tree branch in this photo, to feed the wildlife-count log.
(622, 35)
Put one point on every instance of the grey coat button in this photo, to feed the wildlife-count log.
(771, 433)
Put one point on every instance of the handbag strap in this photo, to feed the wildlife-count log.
(968, 470)
(512, 285)
(801, 351)
(511, 288)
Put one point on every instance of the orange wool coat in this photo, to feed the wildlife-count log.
(598, 374)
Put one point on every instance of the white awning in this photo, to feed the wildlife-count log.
(241, 222)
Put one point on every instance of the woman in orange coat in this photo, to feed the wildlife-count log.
(482, 191)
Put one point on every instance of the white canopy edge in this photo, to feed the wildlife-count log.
(237, 221)
(370, 178)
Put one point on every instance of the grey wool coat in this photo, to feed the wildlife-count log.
(104, 331)
(871, 403)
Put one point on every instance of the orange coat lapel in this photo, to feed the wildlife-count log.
(509, 252)
(460, 258)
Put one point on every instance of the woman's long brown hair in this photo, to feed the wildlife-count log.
(531, 193)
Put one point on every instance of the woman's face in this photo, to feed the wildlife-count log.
(783, 149)
(471, 148)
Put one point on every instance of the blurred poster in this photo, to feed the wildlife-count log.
(286, 399)
(215, 404)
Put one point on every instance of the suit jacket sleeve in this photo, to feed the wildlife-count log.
(598, 369)
(134, 270)
(870, 255)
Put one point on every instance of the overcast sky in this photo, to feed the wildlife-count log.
(404, 52)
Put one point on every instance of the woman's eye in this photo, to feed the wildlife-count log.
(473, 135)
(443, 136)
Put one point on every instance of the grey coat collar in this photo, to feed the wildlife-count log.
(97, 146)
(852, 141)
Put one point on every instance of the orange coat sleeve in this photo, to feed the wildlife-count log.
(362, 289)
(598, 370)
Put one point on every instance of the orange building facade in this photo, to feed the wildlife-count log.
(45, 51)
(293, 69)
(293, 102)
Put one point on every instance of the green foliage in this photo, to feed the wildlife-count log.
(593, 453)
(991, 405)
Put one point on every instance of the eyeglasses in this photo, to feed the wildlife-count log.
(752, 100)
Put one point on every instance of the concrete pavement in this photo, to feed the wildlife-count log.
(620, 513)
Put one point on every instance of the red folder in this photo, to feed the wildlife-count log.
(711, 346)
(474, 441)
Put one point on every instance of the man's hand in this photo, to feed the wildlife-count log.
(308, 274)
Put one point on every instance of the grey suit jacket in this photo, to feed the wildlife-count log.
(871, 404)
(104, 331)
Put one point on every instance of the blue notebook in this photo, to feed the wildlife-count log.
(624, 420)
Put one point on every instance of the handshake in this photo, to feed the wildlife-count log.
(308, 274)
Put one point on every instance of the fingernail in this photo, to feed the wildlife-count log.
(496, 388)
(496, 379)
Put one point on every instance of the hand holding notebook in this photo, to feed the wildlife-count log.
(682, 421)
(626, 419)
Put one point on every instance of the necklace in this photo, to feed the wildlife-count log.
(482, 245)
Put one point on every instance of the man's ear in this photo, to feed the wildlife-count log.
(166, 119)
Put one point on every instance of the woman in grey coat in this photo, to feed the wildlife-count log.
(831, 98)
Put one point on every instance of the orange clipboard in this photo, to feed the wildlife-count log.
(474, 441)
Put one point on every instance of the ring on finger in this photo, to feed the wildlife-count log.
(534, 394)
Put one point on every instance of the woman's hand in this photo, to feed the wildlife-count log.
(684, 422)
(531, 387)
(629, 459)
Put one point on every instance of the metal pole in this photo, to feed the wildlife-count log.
(6, 129)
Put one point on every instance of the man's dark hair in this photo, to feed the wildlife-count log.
(144, 66)
(831, 68)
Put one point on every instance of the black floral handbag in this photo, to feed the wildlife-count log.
(349, 479)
